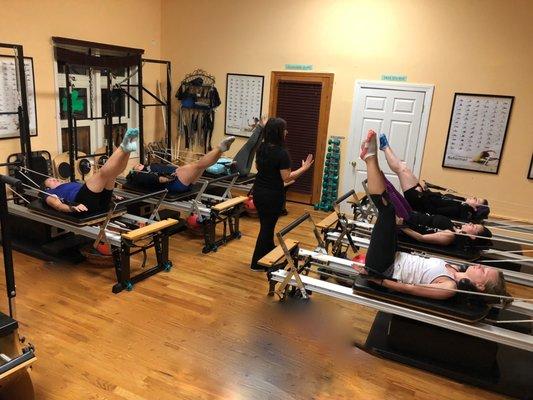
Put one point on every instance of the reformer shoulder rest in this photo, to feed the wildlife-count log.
(78, 219)
(453, 308)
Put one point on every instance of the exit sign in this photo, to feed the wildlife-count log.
(394, 78)
(299, 67)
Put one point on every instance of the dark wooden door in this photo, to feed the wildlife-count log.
(303, 100)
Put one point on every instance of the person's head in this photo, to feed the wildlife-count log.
(476, 230)
(475, 202)
(487, 280)
(275, 131)
(51, 183)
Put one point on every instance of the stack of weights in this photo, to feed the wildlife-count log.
(330, 180)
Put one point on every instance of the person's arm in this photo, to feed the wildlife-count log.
(441, 238)
(430, 292)
(58, 205)
(287, 175)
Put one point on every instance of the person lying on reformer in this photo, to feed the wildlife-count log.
(440, 230)
(424, 200)
(176, 179)
(95, 194)
(419, 276)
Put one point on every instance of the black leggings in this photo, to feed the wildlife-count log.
(269, 205)
(265, 239)
(382, 249)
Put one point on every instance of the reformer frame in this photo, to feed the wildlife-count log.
(225, 211)
(123, 244)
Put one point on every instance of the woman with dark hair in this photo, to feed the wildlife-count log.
(273, 165)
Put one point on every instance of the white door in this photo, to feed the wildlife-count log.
(401, 112)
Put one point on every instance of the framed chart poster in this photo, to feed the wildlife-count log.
(476, 135)
(9, 97)
(244, 102)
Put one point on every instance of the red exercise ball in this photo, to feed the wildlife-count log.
(193, 223)
(249, 206)
(360, 258)
(104, 249)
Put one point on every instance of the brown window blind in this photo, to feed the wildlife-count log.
(299, 105)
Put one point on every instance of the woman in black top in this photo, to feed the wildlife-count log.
(273, 170)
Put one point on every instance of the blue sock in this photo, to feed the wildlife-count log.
(129, 143)
(383, 142)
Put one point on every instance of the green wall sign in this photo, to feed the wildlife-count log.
(394, 78)
(299, 67)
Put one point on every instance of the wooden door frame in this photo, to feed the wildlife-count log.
(326, 79)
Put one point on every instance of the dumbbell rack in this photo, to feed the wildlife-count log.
(330, 179)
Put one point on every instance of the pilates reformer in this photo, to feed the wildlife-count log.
(481, 344)
(340, 233)
(211, 210)
(126, 234)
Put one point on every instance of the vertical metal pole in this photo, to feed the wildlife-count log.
(141, 110)
(109, 117)
(70, 125)
(8, 255)
(24, 118)
(169, 111)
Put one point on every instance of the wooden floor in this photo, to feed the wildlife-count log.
(205, 330)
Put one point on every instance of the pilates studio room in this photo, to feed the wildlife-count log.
(284, 199)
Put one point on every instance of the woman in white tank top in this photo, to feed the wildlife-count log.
(406, 271)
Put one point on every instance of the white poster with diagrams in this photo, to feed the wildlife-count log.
(10, 97)
(244, 102)
(477, 130)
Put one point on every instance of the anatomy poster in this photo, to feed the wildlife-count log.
(244, 101)
(10, 97)
(477, 130)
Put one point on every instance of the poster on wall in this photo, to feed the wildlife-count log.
(244, 102)
(9, 97)
(530, 174)
(476, 135)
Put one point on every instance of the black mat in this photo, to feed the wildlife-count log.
(79, 219)
(406, 243)
(455, 308)
(171, 196)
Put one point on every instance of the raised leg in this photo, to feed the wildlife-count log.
(407, 179)
(105, 177)
(190, 173)
(382, 249)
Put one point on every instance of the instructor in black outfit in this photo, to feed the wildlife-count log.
(273, 170)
